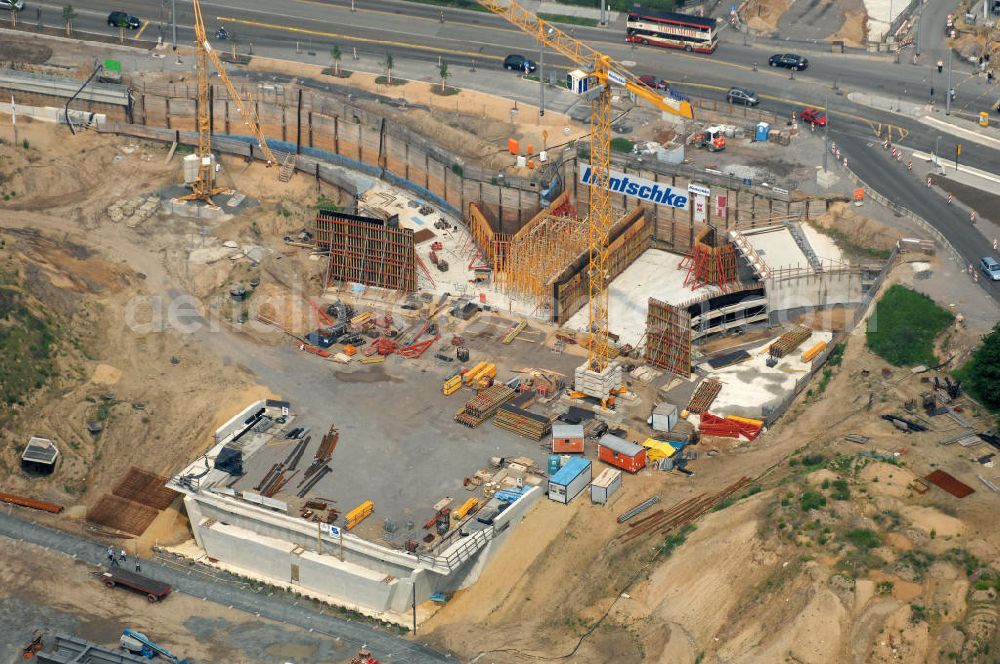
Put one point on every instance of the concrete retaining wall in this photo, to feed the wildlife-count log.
(267, 544)
(808, 289)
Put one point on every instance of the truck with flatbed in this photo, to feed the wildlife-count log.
(153, 590)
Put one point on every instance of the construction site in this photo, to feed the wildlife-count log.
(464, 377)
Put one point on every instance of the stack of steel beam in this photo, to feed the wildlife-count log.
(789, 341)
(703, 397)
(522, 422)
(482, 407)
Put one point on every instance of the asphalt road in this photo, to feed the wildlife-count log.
(227, 593)
(415, 31)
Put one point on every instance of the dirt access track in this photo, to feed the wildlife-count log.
(876, 570)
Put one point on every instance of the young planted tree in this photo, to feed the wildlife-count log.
(388, 68)
(444, 74)
(335, 55)
(68, 15)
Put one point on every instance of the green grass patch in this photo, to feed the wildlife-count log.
(571, 20)
(384, 80)
(811, 500)
(847, 243)
(841, 491)
(864, 539)
(447, 92)
(675, 540)
(622, 145)
(904, 326)
(343, 73)
(981, 374)
(27, 337)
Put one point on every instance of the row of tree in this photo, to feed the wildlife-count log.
(336, 55)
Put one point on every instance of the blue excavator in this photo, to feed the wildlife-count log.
(140, 644)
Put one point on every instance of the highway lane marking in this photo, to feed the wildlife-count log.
(358, 10)
(962, 168)
(968, 134)
(370, 40)
(145, 25)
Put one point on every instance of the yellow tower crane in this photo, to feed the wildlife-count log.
(600, 72)
(204, 187)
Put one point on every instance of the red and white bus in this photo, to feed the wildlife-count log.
(670, 30)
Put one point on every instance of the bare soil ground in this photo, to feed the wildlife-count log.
(877, 573)
(762, 580)
(50, 592)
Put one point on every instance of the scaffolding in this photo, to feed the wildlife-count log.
(523, 264)
(366, 251)
(711, 261)
(535, 255)
(668, 338)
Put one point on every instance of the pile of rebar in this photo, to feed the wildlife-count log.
(328, 444)
(663, 521)
(703, 397)
(311, 482)
(482, 407)
(522, 422)
(789, 341)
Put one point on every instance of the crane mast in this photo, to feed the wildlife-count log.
(602, 71)
(203, 188)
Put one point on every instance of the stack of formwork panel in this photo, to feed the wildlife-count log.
(703, 397)
(482, 407)
(522, 422)
(789, 341)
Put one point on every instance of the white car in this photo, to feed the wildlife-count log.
(991, 268)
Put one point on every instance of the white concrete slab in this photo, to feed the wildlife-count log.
(654, 274)
(750, 385)
(777, 249)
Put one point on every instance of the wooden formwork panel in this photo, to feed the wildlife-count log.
(367, 251)
(668, 337)
(122, 514)
(145, 487)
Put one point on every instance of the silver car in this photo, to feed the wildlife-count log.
(991, 268)
(12, 4)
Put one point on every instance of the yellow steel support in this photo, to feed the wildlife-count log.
(604, 71)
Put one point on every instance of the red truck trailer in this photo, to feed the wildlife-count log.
(153, 590)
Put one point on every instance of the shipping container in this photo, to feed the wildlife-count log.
(605, 485)
(571, 479)
(621, 453)
(567, 438)
(664, 417)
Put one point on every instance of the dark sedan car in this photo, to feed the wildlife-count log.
(118, 19)
(515, 62)
(788, 61)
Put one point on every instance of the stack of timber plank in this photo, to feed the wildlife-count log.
(789, 341)
(703, 397)
(482, 407)
(522, 422)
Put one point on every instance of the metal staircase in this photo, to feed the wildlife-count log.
(287, 167)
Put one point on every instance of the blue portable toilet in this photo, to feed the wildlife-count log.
(763, 129)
